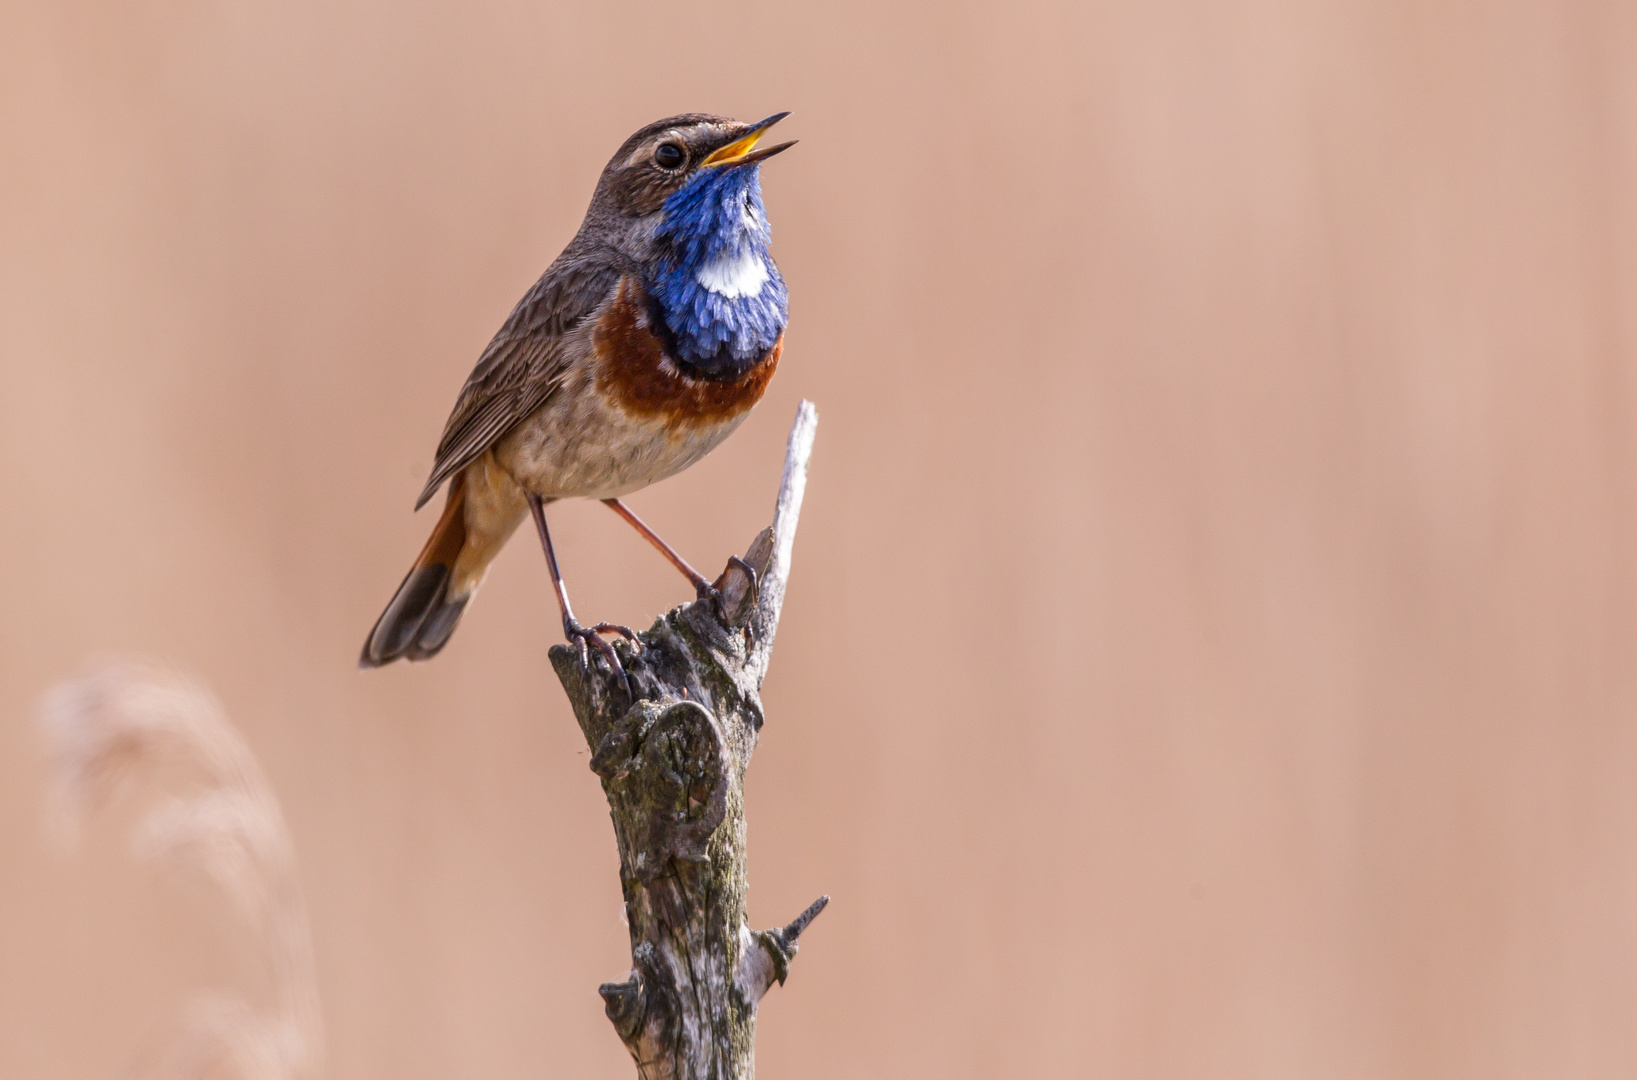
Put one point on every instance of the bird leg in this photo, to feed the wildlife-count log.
(703, 588)
(576, 633)
(697, 579)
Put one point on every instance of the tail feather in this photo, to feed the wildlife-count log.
(436, 627)
(422, 614)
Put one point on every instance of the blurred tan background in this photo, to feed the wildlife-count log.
(1212, 648)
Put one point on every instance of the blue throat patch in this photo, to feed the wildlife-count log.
(716, 286)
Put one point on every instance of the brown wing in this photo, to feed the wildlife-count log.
(522, 365)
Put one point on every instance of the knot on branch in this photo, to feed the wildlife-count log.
(642, 1019)
(668, 765)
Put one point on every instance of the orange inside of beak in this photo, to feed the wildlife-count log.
(735, 150)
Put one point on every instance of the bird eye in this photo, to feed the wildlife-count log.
(669, 155)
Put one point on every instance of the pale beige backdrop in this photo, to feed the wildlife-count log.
(1212, 649)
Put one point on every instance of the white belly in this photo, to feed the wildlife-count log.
(579, 445)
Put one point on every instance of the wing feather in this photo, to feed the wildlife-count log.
(523, 365)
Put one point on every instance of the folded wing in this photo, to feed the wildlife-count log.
(523, 365)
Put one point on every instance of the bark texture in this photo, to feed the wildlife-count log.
(671, 742)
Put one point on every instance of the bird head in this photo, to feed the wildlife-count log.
(695, 151)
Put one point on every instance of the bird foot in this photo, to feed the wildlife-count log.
(583, 636)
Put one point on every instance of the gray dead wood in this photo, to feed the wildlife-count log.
(673, 764)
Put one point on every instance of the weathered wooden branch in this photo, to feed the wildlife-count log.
(672, 763)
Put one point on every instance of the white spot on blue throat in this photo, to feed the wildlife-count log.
(734, 276)
(718, 289)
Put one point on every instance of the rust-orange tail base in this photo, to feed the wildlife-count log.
(422, 616)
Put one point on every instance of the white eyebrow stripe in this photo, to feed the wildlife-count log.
(733, 276)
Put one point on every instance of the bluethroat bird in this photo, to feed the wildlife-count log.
(637, 352)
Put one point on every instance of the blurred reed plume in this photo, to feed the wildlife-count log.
(124, 721)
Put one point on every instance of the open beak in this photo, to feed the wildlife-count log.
(742, 151)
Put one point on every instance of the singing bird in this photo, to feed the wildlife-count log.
(640, 349)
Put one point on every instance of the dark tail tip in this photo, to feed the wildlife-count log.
(418, 622)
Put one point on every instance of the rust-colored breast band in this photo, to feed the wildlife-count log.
(634, 372)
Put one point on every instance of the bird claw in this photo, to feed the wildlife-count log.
(583, 636)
